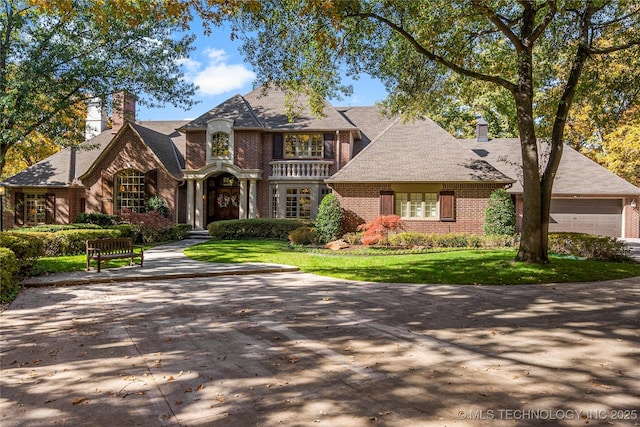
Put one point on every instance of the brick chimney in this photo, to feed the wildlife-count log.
(482, 130)
(96, 121)
(124, 110)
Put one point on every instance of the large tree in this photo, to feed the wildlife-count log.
(533, 56)
(55, 54)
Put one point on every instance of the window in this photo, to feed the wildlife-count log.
(298, 203)
(35, 208)
(417, 205)
(130, 190)
(274, 202)
(303, 145)
(220, 144)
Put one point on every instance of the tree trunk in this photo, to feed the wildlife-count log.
(533, 238)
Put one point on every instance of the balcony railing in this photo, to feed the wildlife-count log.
(300, 169)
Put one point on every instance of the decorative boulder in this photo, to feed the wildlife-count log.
(336, 245)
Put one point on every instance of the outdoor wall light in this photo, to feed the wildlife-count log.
(634, 203)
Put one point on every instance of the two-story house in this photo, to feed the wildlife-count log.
(245, 158)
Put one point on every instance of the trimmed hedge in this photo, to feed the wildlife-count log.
(8, 275)
(243, 229)
(329, 219)
(26, 248)
(587, 246)
(450, 240)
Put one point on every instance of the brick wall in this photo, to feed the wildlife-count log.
(362, 204)
(128, 152)
(195, 155)
(631, 219)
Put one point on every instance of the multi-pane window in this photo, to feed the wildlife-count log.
(220, 144)
(35, 208)
(417, 205)
(303, 145)
(298, 203)
(130, 190)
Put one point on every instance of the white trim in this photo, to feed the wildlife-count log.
(220, 125)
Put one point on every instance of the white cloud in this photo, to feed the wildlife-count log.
(217, 76)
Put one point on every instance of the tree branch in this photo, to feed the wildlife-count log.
(432, 56)
(537, 32)
(499, 23)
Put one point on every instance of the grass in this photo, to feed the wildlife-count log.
(68, 263)
(466, 267)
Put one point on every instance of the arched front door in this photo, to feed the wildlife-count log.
(223, 198)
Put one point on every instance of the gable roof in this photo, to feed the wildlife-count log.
(58, 170)
(265, 109)
(577, 174)
(419, 151)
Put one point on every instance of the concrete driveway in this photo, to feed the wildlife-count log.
(296, 349)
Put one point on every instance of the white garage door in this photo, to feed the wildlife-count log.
(593, 216)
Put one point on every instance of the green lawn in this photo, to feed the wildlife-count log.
(487, 267)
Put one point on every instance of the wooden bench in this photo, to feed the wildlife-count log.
(107, 249)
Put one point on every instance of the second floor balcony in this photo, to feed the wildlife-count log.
(300, 169)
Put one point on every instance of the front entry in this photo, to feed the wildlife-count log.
(223, 198)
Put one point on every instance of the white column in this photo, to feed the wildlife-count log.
(199, 219)
(190, 202)
(243, 199)
(253, 198)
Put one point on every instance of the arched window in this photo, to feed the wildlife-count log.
(220, 144)
(129, 189)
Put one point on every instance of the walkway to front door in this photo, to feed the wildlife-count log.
(223, 198)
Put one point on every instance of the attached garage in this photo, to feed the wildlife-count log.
(593, 216)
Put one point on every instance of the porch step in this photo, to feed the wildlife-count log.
(199, 234)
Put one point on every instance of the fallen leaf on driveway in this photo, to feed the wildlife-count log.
(79, 400)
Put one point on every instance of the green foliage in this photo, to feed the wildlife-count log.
(329, 219)
(52, 59)
(156, 204)
(303, 236)
(587, 246)
(99, 219)
(70, 242)
(450, 240)
(260, 228)
(179, 232)
(27, 249)
(8, 275)
(500, 215)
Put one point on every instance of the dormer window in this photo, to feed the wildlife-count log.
(220, 144)
(219, 140)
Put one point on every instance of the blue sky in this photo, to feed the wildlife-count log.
(218, 68)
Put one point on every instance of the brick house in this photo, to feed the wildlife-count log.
(246, 159)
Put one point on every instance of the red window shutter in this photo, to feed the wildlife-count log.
(151, 183)
(328, 145)
(386, 203)
(108, 193)
(447, 206)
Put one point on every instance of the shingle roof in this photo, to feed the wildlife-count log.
(419, 151)
(234, 108)
(577, 174)
(265, 109)
(57, 170)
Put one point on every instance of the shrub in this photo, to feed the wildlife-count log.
(450, 240)
(587, 246)
(53, 228)
(179, 231)
(9, 283)
(26, 248)
(303, 236)
(329, 219)
(354, 238)
(100, 219)
(72, 242)
(259, 228)
(148, 227)
(377, 231)
(500, 215)
(156, 204)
